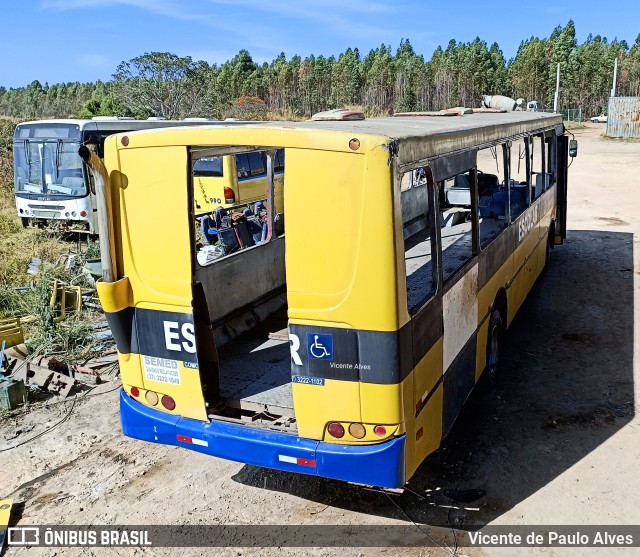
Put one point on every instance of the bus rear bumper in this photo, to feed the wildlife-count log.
(382, 464)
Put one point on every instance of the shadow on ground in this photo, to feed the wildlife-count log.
(566, 386)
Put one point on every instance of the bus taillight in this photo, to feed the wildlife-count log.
(336, 430)
(152, 398)
(168, 402)
(135, 391)
(380, 430)
(357, 430)
(229, 195)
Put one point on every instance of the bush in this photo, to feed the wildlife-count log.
(249, 108)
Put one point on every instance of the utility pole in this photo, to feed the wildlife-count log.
(615, 76)
(556, 98)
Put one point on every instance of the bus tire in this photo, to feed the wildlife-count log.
(495, 337)
(25, 222)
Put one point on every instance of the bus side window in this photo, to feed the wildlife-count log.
(279, 166)
(242, 166)
(257, 163)
(538, 166)
(492, 193)
(419, 239)
(520, 169)
(552, 157)
(456, 222)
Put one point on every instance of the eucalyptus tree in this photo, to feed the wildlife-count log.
(155, 84)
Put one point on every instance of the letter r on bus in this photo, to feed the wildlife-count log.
(295, 346)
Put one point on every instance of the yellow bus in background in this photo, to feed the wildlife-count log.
(345, 347)
(235, 180)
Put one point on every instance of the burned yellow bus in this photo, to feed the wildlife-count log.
(344, 343)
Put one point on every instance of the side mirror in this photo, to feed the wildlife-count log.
(573, 148)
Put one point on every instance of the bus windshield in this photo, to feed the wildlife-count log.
(49, 167)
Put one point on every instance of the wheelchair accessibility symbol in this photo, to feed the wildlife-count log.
(320, 347)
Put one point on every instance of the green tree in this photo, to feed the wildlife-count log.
(346, 79)
(154, 84)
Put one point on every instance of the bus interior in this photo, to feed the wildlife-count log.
(481, 190)
(251, 380)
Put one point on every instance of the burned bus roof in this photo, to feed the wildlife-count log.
(416, 137)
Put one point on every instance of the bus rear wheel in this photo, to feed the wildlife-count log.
(494, 345)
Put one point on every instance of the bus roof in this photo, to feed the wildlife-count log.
(417, 137)
(117, 124)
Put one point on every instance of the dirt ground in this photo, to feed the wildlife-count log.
(557, 441)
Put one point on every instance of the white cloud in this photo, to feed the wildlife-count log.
(252, 24)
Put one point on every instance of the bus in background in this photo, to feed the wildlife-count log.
(52, 185)
(235, 180)
(350, 353)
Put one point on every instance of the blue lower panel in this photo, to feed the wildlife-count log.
(381, 465)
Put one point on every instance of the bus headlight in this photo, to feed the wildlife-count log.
(67, 214)
(73, 213)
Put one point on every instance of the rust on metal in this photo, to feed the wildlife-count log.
(623, 118)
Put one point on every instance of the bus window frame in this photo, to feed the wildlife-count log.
(434, 233)
(194, 153)
(454, 277)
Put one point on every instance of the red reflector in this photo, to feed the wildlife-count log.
(125, 141)
(380, 430)
(168, 402)
(306, 462)
(229, 195)
(184, 439)
(83, 213)
(336, 430)
(135, 391)
(419, 434)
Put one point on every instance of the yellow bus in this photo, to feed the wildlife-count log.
(234, 180)
(346, 347)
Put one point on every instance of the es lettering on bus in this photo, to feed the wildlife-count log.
(295, 346)
(179, 338)
(527, 222)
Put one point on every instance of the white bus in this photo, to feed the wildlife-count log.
(52, 184)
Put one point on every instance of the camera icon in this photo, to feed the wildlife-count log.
(23, 536)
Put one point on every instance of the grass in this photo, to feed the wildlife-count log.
(571, 125)
(72, 339)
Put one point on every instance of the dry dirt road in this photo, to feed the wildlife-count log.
(557, 441)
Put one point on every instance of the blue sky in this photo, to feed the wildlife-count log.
(84, 40)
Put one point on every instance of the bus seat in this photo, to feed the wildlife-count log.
(209, 233)
(460, 192)
(492, 205)
(228, 239)
(487, 182)
(245, 238)
(221, 217)
(257, 229)
(278, 224)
